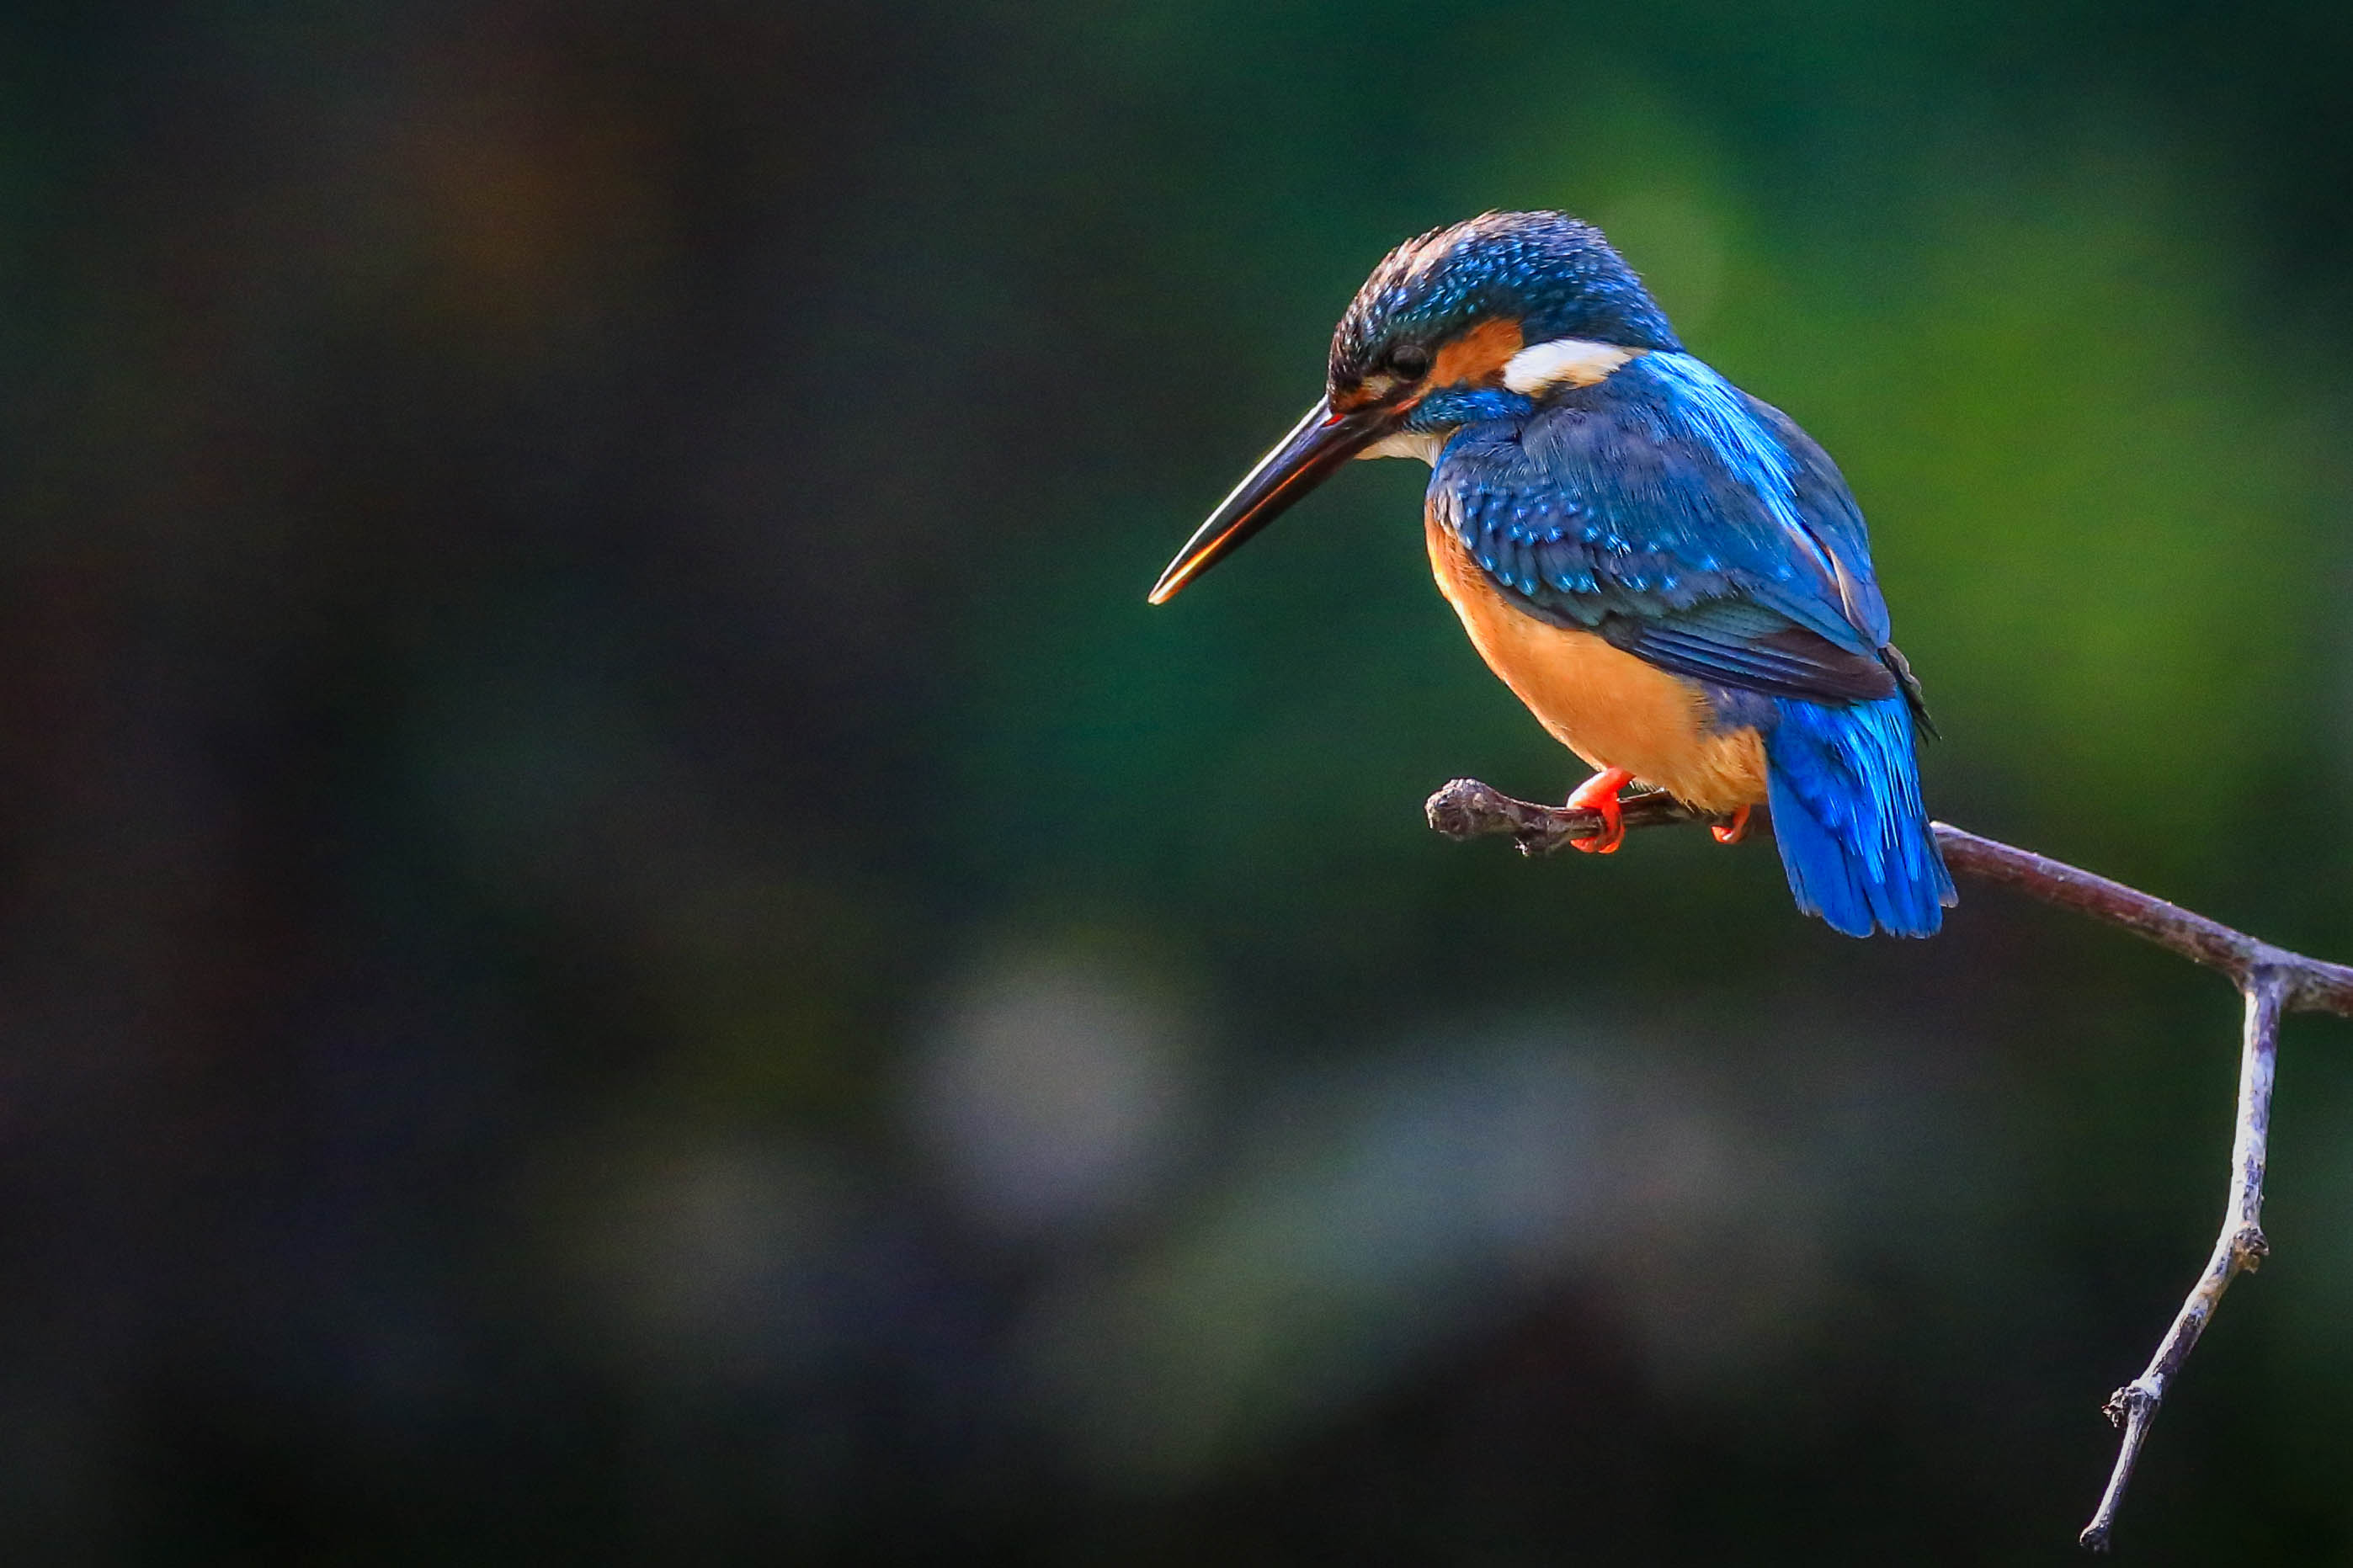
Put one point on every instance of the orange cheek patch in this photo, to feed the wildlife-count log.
(1479, 355)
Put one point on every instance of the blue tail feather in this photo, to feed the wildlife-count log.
(1854, 837)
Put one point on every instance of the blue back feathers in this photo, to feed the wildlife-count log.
(1664, 509)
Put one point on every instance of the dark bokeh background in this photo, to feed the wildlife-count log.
(622, 942)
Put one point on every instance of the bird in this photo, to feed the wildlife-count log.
(1669, 573)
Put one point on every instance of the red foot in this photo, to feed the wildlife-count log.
(1732, 832)
(1599, 794)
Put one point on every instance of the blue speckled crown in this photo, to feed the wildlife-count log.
(1556, 276)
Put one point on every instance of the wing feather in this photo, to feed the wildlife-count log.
(1701, 532)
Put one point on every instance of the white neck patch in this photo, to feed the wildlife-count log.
(1564, 362)
(1422, 444)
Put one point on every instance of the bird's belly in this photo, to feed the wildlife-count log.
(1601, 702)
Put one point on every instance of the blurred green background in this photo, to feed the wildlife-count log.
(622, 941)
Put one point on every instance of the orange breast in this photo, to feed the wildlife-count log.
(1601, 702)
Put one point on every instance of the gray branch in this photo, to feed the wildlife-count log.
(2272, 980)
(2237, 1250)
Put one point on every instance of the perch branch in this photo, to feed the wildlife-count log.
(1469, 809)
(2272, 980)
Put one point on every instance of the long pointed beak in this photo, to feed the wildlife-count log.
(1302, 460)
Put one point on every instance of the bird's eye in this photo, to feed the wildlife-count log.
(1409, 361)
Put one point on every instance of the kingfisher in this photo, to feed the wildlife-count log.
(1670, 574)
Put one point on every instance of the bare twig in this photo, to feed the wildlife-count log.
(2237, 1250)
(2272, 980)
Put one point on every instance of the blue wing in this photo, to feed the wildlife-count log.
(1686, 522)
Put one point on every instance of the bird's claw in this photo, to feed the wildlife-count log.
(1598, 795)
(1612, 834)
(1732, 832)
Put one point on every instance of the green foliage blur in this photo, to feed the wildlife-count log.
(625, 942)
